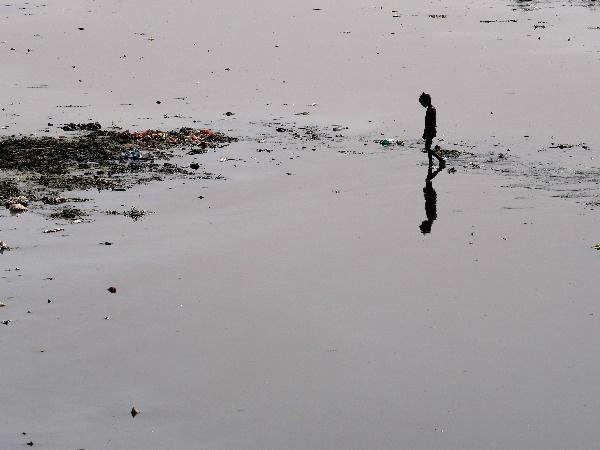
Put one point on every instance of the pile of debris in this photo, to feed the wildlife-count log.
(95, 158)
(17, 205)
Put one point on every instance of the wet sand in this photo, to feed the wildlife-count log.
(308, 310)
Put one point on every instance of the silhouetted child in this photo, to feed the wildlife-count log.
(430, 128)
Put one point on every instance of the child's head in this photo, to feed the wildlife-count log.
(425, 99)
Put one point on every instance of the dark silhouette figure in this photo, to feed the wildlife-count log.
(430, 129)
(430, 200)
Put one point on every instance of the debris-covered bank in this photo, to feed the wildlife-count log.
(39, 169)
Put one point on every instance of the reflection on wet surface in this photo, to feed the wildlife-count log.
(430, 200)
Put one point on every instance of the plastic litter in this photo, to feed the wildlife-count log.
(53, 230)
(132, 154)
(388, 142)
(20, 200)
(16, 208)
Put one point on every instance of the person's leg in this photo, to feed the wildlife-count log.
(428, 149)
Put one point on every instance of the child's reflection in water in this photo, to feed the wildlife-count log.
(430, 200)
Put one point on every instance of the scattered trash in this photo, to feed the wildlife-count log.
(95, 158)
(2, 305)
(134, 412)
(6, 322)
(53, 230)
(53, 200)
(132, 154)
(68, 213)
(94, 126)
(499, 21)
(583, 145)
(17, 205)
(16, 208)
(446, 152)
(195, 166)
(112, 290)
(451, 170)
(229, 114)
(596, 247)
(388, 142)
(19, 200)
(135, 213)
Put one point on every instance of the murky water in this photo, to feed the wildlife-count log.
(336, 298)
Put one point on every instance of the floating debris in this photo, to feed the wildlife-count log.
(17, 208)
(93, 126)
(69, 213)
(53, 230)
(499, 21)
(19, 200)
(54, 200)
(389, 142)
(134, 213)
